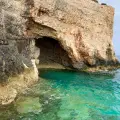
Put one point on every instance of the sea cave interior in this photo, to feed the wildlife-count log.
(51, 51)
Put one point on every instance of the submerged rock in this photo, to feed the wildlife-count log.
(28, 104)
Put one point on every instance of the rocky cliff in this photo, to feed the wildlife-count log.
(83, 28)
(79, 34)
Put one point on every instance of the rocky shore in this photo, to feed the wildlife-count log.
(75, 34)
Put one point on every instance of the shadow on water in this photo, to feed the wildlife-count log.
(65, 78)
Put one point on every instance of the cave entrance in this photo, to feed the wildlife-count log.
(52, 52)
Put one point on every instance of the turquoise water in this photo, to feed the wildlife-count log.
(68, 95)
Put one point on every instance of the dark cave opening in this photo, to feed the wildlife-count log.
(52, 52)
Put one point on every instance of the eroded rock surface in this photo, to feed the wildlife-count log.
(83, 28)
(17, 65)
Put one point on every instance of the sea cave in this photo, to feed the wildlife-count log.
(51, 51)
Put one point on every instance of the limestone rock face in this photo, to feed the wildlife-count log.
(84, 29)
(17, 69)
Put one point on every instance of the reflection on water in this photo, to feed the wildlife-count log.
(68, 95)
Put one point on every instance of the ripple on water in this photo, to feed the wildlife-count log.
(68, 95)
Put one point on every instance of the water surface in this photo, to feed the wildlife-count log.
(68, 95)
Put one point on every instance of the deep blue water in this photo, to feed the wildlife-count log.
(68, 95)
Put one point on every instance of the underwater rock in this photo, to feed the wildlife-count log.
(28, 104)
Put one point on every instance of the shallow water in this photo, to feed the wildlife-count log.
(68, 95)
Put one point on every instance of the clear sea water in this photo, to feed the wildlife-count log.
(68, 95)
